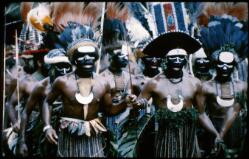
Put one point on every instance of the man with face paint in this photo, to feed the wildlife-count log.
(225, 97)
(59, 66)
(84, 94)
(201, 65)
(26, 85)
(174, 93)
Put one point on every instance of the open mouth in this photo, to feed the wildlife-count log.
(88, 66)
(153, 66)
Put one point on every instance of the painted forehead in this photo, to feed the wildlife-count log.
(177, 52)
(226, 57)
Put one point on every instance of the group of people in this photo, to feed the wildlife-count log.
(73, 92)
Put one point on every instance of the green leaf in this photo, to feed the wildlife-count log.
(133, 131)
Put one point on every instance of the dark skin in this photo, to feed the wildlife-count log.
(161, 85)
(66, 87)
(26, 85)
(40, 91)
(209, 94)
(201, 69)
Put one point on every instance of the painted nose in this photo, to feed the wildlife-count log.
(225, 68)
(154, 60)
(64, 71)
(177, 60)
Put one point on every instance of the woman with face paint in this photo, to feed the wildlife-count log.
(174, 93)
(59, 66)
(225, 96)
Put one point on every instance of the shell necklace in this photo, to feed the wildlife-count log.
(225, 102)
(85, 100)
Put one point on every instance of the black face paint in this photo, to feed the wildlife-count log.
(202, 65)
(151, 62)
(176, 61)
(224, 69)
(85, 62)
(118, 59)
(29, 66)
(62, 68)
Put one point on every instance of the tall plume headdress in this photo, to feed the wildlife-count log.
(115, 32)
(30, 38)
(224, 34)
(235, 9)
(78, 23)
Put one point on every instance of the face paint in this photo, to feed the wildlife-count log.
(225, 64)
(202, 64)
(29, 66)
(152, 62)
(62, 69)
(85, 62)
(224, 69)
(176, 62)
(118, 58)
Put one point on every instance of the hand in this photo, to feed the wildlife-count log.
(218, 144)
(51, 136)
(16, 127)
(130, 99)
(22, 149)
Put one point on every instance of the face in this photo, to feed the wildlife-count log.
(202, 64)
(176, 62)
(85, 61)
(224, 69)
(62, 68)
(29, 66)
(118, 58)
(225, 64)
(152, 62)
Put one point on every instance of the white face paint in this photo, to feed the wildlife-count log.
(177, 52)
(226, 57)
(86, 49)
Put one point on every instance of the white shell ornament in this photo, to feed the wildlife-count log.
(225, 103)
(174, 107)
(84, 100)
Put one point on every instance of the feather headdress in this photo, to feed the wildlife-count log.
(78, 24)
(30, 38)
(56, 56)
(238, 10)
(25, 7)
(224, 34)
(39, 16)
(115, 32)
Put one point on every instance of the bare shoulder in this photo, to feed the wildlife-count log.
(155, 80)
(100, 79)
(42, 84)
(240, 85)
(105, 73)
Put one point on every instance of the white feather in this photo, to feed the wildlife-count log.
(136, 31)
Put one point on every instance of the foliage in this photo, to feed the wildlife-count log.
(175, 120)
(132, 132)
